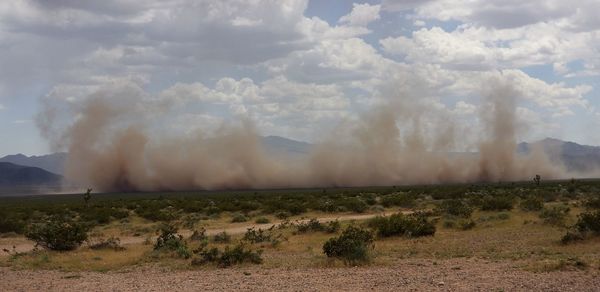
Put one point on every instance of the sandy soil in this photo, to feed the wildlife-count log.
(405, 275)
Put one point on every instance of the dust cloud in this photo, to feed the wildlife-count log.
(111, 147)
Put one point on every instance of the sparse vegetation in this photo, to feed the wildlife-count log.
(485, 210)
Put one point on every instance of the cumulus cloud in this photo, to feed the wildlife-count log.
(361, 14)
(214, 61)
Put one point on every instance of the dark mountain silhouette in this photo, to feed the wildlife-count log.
(54, 162)
(12, 175)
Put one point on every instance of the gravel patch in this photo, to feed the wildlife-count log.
(405, 275)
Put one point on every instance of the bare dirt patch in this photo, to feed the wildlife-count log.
(423, 275)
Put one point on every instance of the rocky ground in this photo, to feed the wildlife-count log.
(412, 275)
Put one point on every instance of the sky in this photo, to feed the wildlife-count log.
(296, 68)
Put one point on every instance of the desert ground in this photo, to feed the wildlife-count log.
(494, 237)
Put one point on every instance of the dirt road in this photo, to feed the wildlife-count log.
(405, 275)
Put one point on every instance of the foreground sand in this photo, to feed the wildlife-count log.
(414, 275)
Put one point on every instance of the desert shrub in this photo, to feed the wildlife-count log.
(589, 222)
(503, 216)
(58, 233)
(593, 203)
(222, 237)
(355, 205)
(404, 200)
(189, 221)
(370, 199)
(212, 210)
(283, 215)
(112, 242)
(311, 225)
(572, 236)
(449, 224)
(554, 215)
(169, 240)
(332, 226)
(532, 203)
(455, 207)
(466, 224)
(352, 246)
(239, 254)
(206, 256)
(497, 203)
(262, 220)
(239, 218)
(253, 235)
(8, 224)
(199, 235)
(414, 225)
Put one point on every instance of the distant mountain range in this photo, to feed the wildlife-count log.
(54, 163)
(12, 175)
(575, 157)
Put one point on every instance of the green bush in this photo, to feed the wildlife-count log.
(414, 225)
(532, 203)
(466, 224)
(313, 225)
(456, 207)
(8, 224)
(593, 203)
(352, 246)
(169, 240)
(332, 226)
(283, 215)
(398, 199)
(355, 205)
(199, 235)
(497, 203)
(555, 215)
(239, 254)
(589, 222)
(262, 235)
(222, 237)
(58, 233)
(239, 218)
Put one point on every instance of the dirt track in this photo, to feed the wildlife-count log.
(416, 275)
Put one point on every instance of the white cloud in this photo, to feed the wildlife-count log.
(361, 14)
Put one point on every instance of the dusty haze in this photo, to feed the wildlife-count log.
(112, 147)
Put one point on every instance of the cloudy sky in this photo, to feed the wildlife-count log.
(298, 67)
